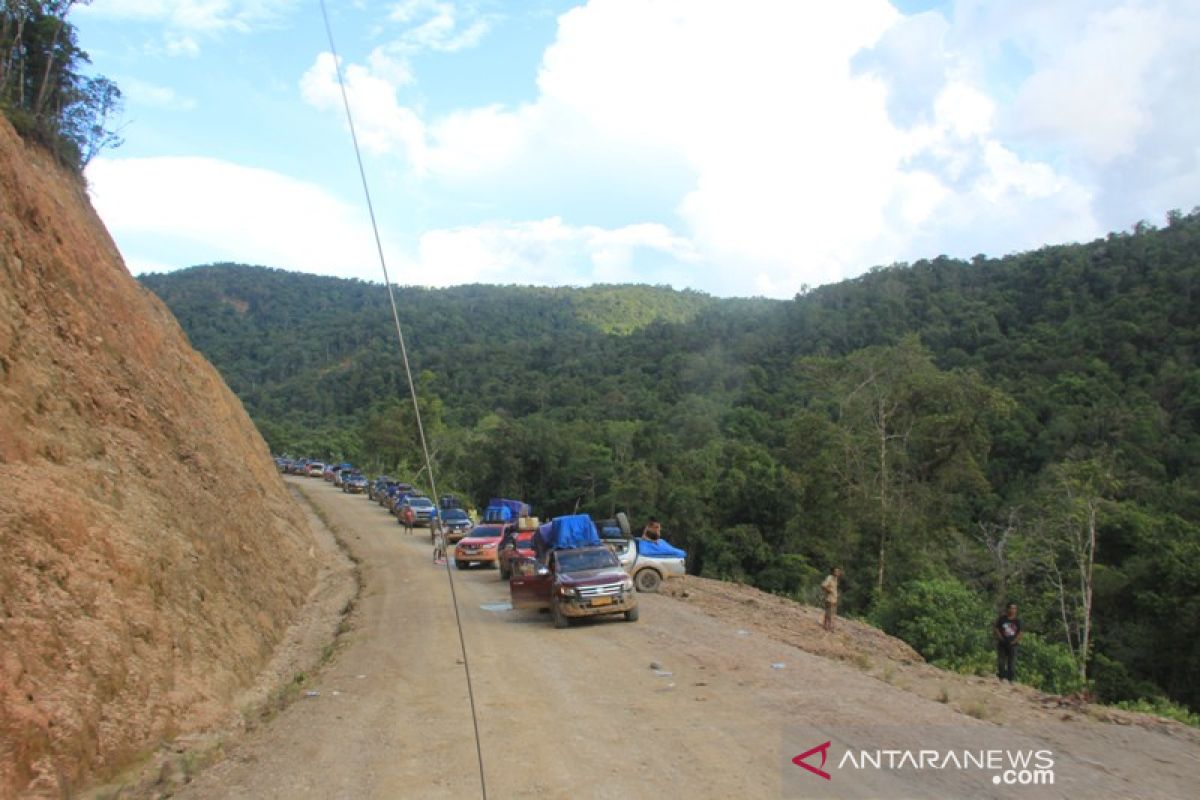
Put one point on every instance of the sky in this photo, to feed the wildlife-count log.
(749, 148)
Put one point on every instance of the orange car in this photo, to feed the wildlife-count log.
(481, 545)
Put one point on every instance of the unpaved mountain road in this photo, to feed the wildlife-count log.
(580, 713)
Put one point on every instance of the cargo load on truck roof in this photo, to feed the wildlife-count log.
(500, 509)
(564, 533)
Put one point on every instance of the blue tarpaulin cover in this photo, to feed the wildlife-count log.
(660, 549)
(497, 514)
(500, 509)
(576, 530)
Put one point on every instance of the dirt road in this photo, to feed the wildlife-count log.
(581, 713)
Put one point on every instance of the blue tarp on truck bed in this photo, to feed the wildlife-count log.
(500, 509)
(576, 530)
(660, 549)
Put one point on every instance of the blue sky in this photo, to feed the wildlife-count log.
(746, 148)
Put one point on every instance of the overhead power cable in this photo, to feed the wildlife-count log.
(412, 387)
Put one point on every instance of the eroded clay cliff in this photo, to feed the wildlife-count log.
(150, 556)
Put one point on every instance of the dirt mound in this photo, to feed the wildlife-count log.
(788, 621)
(892, 661)
(151, 555)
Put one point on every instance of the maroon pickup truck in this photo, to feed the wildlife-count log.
(580, 582)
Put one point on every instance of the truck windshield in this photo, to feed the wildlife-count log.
(579, 560)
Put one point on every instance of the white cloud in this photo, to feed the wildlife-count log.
(381, 124)
(186, 20)
(229, 213)
(438, 25)
(1091, 94)
(546, 251)
(176, 45)
(911, 59)
(777, 125)
(1108, 91)
(139, 92)
(734, 148)
(205, 16)
(141, 266)
(425, 26)
(479, 139)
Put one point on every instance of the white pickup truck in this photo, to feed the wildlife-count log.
(648, 572)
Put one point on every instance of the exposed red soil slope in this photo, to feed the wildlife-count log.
(150, 556)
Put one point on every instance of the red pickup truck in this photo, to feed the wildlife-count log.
(574, 583)
(515, 546)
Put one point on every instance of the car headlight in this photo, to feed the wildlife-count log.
(489, 546)
(567, 591)
(627, 585)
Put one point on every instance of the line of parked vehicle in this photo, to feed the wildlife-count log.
(572, 566)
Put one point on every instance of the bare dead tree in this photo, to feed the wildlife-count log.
(1076, 495)
(997, 538)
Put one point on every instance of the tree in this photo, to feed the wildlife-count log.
(941, 618)
(1075, 495)
(89, 122)
(42, 88)
(998, 538)
(57, 10)
(907, 432)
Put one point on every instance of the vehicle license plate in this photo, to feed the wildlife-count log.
(602, 601)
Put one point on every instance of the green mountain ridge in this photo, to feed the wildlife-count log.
(944, 429)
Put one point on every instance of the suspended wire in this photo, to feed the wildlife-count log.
(412, 387)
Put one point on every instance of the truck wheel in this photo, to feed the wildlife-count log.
(560, 619)
(648, 580)
(623, 523)
(632, 614)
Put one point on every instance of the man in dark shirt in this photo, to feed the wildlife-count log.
(1008, 633)
(653, 530)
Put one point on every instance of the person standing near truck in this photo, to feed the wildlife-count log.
(653, 530)
(830, 587)
(1007, 631)
(439, 542)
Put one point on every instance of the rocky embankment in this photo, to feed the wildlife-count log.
(150, 556)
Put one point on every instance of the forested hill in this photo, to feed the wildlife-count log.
(952, 433)
(302, 347)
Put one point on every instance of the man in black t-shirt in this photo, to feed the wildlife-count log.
(653, 530)
(1008, 633)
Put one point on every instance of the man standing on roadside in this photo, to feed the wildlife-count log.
(1008, 633)
(830, 587)
(439, 541)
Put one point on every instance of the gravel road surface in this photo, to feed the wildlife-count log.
(582, 713)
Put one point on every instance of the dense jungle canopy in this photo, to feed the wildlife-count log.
(953, 433)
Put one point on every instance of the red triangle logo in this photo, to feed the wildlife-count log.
(823, 749)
